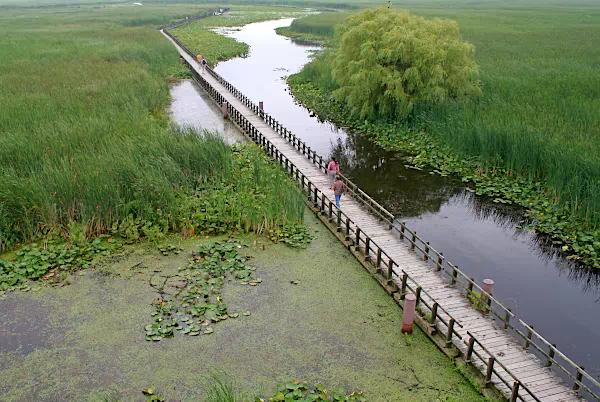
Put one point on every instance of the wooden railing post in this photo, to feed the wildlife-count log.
(339, 220)
(454, 275)
(330, 214)
(438, 266)
(390, 271)
(316, 200)
(514, 394)
(347, 229)
(579, 378)
(507, 318)
(434, 310)
(378, 260)
(402, 228)
(309, 190)
(529, 335)
(414, 239)
(489, 371)
(551, 355)
(426, 254)
(367, 246)
(357, 244)
(322, 204)
(449, 333)
(470, 346)
(418, 295)
(403, 286)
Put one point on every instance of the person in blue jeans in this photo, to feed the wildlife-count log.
(338, 188)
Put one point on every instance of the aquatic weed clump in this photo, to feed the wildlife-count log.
(190, 301)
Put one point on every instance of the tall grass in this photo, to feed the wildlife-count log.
(83, 133)
(319, 24)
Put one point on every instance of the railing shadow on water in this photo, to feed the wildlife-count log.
(472, 349)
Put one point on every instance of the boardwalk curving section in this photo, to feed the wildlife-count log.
(473, 329)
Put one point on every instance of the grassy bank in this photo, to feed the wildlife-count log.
(532, 139)
(333, 325)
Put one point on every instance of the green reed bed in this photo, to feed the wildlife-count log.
(84, 133)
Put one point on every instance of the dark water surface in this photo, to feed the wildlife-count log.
(561, 301)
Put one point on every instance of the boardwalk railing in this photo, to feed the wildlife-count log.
(436, 315)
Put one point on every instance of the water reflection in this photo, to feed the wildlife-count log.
(192, 107)
(485, 239)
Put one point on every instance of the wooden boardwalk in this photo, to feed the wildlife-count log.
(491, 338)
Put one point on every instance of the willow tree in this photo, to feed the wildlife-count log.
(386, 61)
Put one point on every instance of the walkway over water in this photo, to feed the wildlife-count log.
(480, 333)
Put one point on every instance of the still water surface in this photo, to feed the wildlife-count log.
(561, 301)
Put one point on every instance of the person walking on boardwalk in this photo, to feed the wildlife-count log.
(203, 63)
(338, 188)
(333, 169)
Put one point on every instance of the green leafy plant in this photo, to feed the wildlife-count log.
(299, 391)
(194, 301)
(479, 301)
(51, 262)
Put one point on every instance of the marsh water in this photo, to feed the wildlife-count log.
(560, 300)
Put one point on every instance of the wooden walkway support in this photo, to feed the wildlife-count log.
(460, 317)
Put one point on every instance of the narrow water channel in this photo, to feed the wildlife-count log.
(560, 300)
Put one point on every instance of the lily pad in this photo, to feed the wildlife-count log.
(246, 313)
(208, 330)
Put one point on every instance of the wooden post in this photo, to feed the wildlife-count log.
(261, 106)
(449, 333)
(367, 246)
(471, 344)
(339, 220)
(403, 288)
(418, 294)
(507, 318)
(414, 239)
(347, 228)
(579, 377)
(330, 215)
(224, 110)
(309, 190)
(402, 227)
(529, 335)
(323, 204)
(357, 244)
(551, 355)
(470, 285)
(390, 271)
(438, 266)
(434, 310)
(454, 274)
(316, 200)
(378, 261)
(514, 395)
(489, 371)
(426, 255)
(408, 314)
